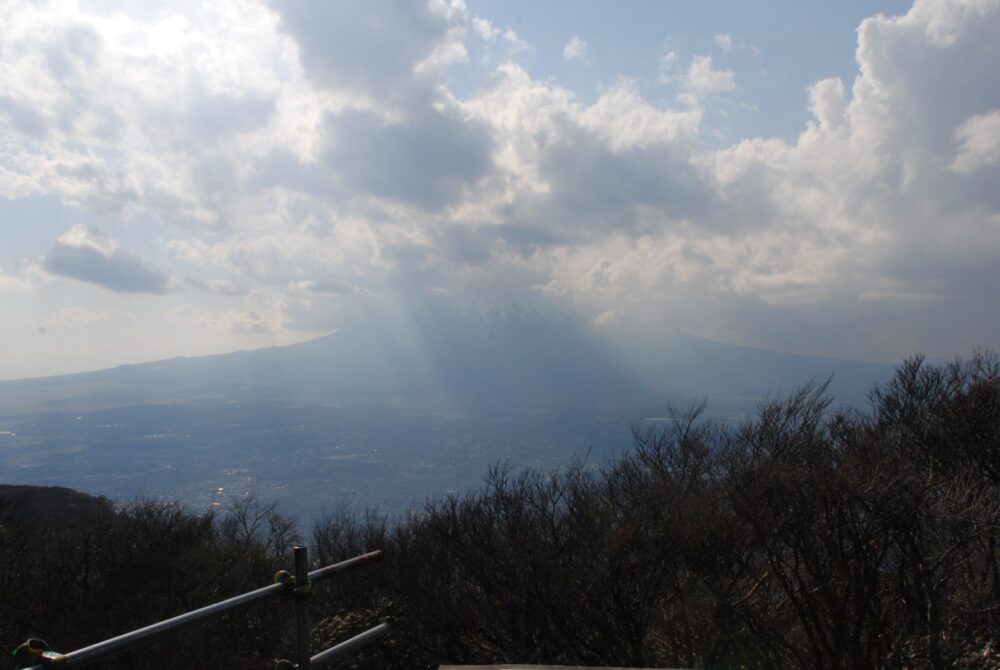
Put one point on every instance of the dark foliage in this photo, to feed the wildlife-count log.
(802, 538)
(52, 505)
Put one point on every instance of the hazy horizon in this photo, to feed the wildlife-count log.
(626, 349)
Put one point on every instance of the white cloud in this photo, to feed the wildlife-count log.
(702, 76)
(9, 282)
(485, 29)
(568, 172)
(865, 197)
(978, 139)
(861, 213)
(828, 102)
(515, 44)
(575, 49)
(490, 33)
(624, 120)
(667, 67)
(149, 113)
(699, 79)
(290, 153)
(724, 42)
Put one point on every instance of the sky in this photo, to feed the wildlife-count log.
(183, 178)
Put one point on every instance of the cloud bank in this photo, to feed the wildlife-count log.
(287, 147)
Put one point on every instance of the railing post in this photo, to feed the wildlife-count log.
(302, 623)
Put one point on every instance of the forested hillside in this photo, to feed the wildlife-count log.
(801, 538)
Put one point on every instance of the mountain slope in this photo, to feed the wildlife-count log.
(377, 415)
(494, 362)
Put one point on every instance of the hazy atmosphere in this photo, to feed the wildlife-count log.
(183, 178)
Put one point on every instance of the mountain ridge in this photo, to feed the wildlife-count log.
(507, 359)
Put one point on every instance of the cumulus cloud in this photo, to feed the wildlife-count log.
(737, 243)
(574, 172)
(865, 198)
(771, 242)
(978, 139)
(623, 119)
(426, 159)
(668, 68)
(86, 255)
(575, 49)
(311, 147)
(375, 48)
(828, 102)
(703, 77)
(490, 33)
(406, 140)
(154, 112)
(699, 79)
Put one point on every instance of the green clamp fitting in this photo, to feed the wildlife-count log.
(284, 664)
(288, 580)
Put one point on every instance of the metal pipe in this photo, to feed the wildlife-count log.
(114, 645)
(348, 646)
(303, 627)
(108, 647)
(344, 566)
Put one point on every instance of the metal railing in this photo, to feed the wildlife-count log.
(286, 585)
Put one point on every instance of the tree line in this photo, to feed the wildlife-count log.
(802, 537)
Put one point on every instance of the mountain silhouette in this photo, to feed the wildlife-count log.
(476, 362)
